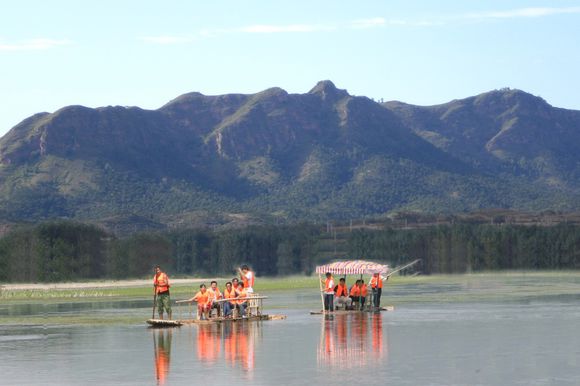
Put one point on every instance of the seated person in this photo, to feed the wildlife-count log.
(202, 297)
(364, 291)
(341, 295)
(242, 301)
(229, 293)
(215, 294)
(355, 295)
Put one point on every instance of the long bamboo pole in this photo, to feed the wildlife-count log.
(321, 293)
(403, 267)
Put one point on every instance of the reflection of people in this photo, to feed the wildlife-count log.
(239, 345)
(215, 294)
(247, 277)
(341, 295)
(162, 346)
(377, 333)
(203, 299)
(161, 288)
(208, 343)
(346, 342)
(328, 292)
(377, 289)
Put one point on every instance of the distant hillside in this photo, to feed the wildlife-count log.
(277, 156)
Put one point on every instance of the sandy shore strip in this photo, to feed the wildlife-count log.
(102, 284)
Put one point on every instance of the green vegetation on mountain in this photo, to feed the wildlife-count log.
(280, 157)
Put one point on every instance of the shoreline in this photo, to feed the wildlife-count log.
(141, 283)
(106, 284)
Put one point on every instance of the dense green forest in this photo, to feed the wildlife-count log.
(64, 251)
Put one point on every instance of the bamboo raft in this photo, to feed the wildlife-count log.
(255, 307)
(218, 320)
(346, 312)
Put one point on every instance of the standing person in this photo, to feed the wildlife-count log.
(328, 292)
(247, 277)
(242, 302)
(202, 297)
(377, 289)
(215, 294)
(230, 304)
(161, 288)
(341, 295)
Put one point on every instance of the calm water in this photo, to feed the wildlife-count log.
(532, 342)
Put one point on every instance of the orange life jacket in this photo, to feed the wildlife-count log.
(214, 295)
(328, 284)
(161, 282)
(364, 291)
(355, 291)
(376, 282)
(248, 282)
(230, 294)
(242, 297)
(202, 298)
(341, 290)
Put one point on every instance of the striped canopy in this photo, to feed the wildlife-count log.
(353, 267)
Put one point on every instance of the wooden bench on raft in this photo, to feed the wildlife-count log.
(254, 307)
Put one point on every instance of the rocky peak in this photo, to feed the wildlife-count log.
(327, 90)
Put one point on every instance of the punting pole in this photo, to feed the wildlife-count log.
(154, 301)
(404, 266)
(321, 293)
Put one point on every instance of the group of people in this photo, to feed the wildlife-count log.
(234, 296)
(337, 295)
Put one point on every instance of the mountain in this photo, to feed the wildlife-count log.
(274, 155)
(503, 131)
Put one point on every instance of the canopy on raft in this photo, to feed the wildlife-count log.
(353, 267)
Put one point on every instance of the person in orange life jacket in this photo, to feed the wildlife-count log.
(203, 299)
(364, 291)
(161, 288)
(242, 301)
(358, 293)
(229, 293)
(341, 295)
(376, 284)
(215, 294)
(247, 277)
(328, 292)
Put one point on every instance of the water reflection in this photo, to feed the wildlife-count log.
(354, 340)
(235, 340)
(162, 346)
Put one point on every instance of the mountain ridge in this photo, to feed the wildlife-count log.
(321, 154)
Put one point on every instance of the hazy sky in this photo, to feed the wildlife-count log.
(143, 53)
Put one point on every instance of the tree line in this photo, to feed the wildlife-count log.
(64, 251)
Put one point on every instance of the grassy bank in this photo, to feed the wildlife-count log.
(534, 281)
(53, 307)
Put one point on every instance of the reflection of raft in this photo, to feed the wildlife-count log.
(177, 323)
(346, 312)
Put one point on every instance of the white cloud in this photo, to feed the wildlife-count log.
(267, 29)
(33, 44)
(368, 23)
(524, 12)
(166, 39)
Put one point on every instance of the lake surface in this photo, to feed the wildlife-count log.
(523, 341)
